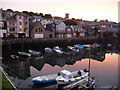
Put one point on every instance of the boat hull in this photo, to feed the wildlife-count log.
(43, 81)
(23, 54)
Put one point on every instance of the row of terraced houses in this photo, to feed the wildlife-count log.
(18, 24)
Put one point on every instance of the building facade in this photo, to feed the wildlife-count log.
(38, 31)
(18, 25)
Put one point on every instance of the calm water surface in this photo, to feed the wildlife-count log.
(103, 66)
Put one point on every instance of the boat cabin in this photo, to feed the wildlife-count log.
(66, 74)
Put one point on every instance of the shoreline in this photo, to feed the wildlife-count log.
(28, 43)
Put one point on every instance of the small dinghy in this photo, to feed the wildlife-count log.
(49, 50)
(45, 79)
(96, 44)
(58, 50)
(14, 56)
(73, 49)
(34, 52)
(24, 54)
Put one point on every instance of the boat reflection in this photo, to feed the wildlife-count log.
(17, 67)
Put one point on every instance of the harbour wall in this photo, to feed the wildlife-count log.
(40, 44)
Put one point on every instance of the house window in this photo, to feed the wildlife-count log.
(26, 23)
(41, 30)
(20, 17)
(53, 25)
(38, 30)
(68, 29)
(20, 23)
(13, 29)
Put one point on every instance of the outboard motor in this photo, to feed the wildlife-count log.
(79, 72)
(85, 70)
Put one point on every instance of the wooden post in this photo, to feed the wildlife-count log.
(89, 63)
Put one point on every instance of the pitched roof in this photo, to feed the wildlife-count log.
(32, 25)
(12, 18)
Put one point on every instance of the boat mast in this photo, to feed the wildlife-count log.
(89, 64)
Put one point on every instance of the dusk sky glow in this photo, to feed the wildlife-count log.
(85, 9)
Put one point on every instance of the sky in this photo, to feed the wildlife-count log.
(85, 9)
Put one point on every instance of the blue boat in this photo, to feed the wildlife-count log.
(96, 44)
(49, 50)
(79, 46)
(44, 79)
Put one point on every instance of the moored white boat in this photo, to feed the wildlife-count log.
(44, 79)
(73, 48)
(88, 46)
(58, 50)
(34, 52)
(67, 77)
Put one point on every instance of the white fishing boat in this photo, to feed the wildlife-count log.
(73, 48)
(58, 50)
(49, 50)
(67, 77)
(34, 52)
(45, 79)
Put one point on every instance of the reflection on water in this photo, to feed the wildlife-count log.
(23, 70)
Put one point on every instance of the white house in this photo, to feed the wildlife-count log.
(18, 25)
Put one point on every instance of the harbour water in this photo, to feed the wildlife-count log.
(103, 66)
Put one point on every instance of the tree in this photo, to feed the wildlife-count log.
(106, 20)
(95, 20)
(73, 19)
(40, 14)
(26, 12)
(47, 16)
(9, 10)
(70, 22)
